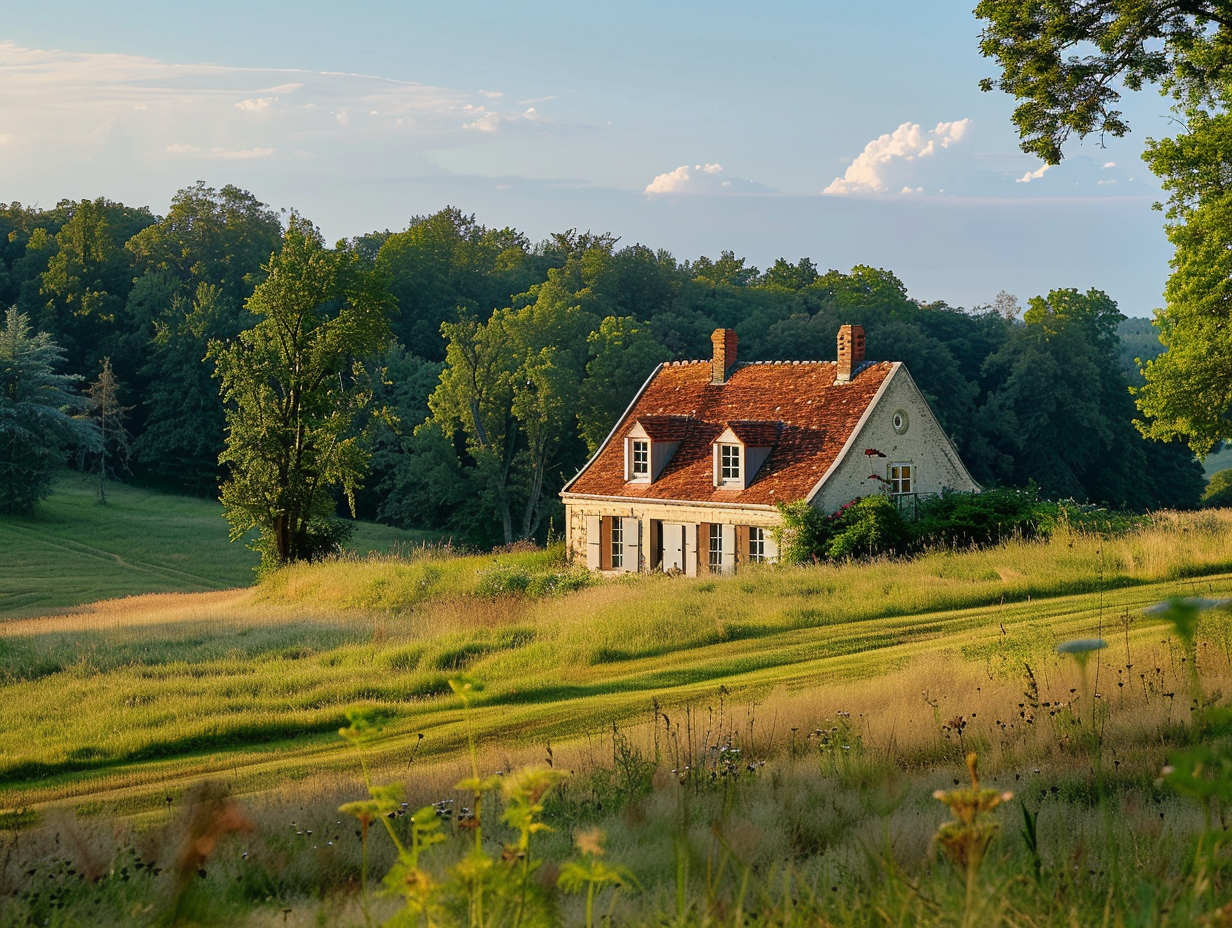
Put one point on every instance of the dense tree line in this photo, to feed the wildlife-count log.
(502, 363)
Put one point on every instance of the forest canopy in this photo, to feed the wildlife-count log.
(504, 362)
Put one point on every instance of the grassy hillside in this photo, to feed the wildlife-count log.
(758, 749)
(74, 551)
(116, 701)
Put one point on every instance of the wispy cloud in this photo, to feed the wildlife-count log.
(701, 178)
(152, 110)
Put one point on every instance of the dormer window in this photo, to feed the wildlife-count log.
(650, 444)
(639, 459)
(739, 452)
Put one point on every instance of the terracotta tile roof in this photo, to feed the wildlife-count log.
(664, 428)
(813, 416)
(756, 434)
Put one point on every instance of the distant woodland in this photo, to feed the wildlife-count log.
(510, 360)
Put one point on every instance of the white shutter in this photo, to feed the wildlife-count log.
(729, 549)
(771, 547)
(690, 550)
(673, 545)
(631, 529)
(592, 542)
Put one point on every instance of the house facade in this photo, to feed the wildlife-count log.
(689, 478)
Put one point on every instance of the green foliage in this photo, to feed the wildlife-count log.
(297, 393)
(966, 520)
(516, 580)
(868, 527)
(1188, 390)
(1065, 61)
(37, 422)
(1218, 492)
(803, 534)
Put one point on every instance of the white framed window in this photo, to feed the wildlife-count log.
(639, 459)
(618, 543)
(715, 558)
(902, 478)
(729, 463)
(757, 545)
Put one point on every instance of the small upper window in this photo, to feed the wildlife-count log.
(639, 459)
(729, 463)
(902, 479)
(900, 421)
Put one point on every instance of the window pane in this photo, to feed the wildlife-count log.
(618, 543)
(757, 544)
(641, 458)
(715, 559)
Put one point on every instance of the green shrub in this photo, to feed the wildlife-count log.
(973, 520)
(1218, 494)
(803, 535)
(867, 527)
(514, 580)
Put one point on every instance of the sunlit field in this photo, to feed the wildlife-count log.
(74, 551)
(763, 746)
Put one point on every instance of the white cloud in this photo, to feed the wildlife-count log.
(892, 159)
(179, 148)
(701, 178)
(1109, 164)
(1033, 175)
(671, 182)
(256, 105)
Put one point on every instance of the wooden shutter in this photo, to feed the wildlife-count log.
(593, 525)
(605, 543)
(742, 545)
(729, 549)
(690, 550)
(632, 530)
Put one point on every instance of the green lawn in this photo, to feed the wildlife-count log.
(73, 551)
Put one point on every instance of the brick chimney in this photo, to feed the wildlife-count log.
(850, 351)
(724, 341)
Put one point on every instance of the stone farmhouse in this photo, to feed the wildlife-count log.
(689, 478)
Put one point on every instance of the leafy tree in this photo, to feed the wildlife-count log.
(1066, 414)
(37, 422)
(448, 260)
(296, 391)
(622, 355)
(1063, 59)
(108, 415)
(1218, 493)
(197, 266)
(1188, 390)
(88, 279)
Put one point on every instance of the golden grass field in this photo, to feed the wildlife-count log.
(848, 692)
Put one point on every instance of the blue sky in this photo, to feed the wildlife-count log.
(850, 133)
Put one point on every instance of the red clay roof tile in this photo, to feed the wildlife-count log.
(813, 417)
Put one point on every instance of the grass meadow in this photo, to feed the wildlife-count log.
(74, 551)
(757, 749)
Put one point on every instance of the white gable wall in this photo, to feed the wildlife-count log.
(924, 445)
